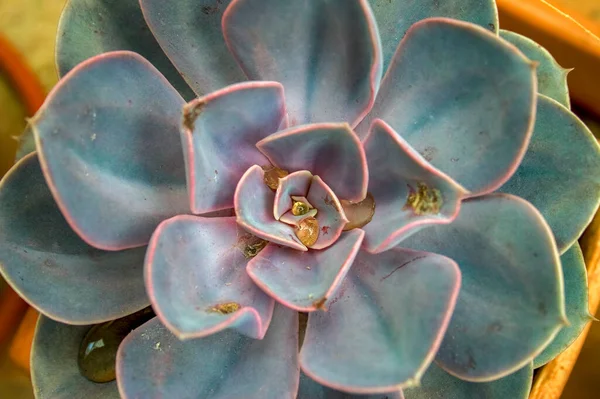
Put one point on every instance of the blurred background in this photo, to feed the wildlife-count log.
(27, 73)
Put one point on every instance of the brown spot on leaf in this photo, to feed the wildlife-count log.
(542, 309)
(429, 153)
(251, 245)
(191, 112)
(331, 202)
(224, 308)
(320, 304)
(325, 230)
(471, 360)
(494, 327)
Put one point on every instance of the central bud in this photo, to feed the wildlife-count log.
(300, 208)
(307, 205)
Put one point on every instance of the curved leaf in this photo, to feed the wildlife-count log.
(190, 33)
(330, 150)
(398, 173)
(292, 42)
(51, 267)
(219, 135)
(576, 301)
(305, 281)
(560, 173)
(395, 17)
(385, 323)
(108, 141)
(310, 389)
(296, 184)
(463, 98)
(196, 279)
(153, 363)
(330, 214)
(438, 384)
(253, 201)
(91, 27)
(551, 77)
(511, 303)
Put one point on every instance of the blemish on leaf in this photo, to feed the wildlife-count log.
(542, 308)
(472, 364)
(251, 245)
(191, 112)
(272, 176)
(429, 153)
(210, 10)
(320, 304)
(492, 27)
(402, 265)
(225, 308)
(424, 200)
(325, 230)
(494, 327)
(331, 202)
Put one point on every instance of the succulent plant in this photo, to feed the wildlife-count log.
(304, 226)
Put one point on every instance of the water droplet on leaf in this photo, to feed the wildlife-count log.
(308, 231)
(98, 349)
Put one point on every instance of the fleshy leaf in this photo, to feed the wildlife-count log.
(113, 158)
(511, 303)
(463, 98)
(576, 300)
(219, 136)
(26, 143)
(196, 278)
(189, 31)
(330, 214)
(153, 363)
(54, 370)
(560, 173)
(438, 384)
(551, 77)
(310, 389)
(51, 267)
(296, 184)
(395, 17)
(385, 323)
(253, 203)
(91, 27)
(409, 193)
(331, 151)
(305, 281)
(292, 42)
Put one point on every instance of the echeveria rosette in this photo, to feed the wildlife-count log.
(223, 296)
